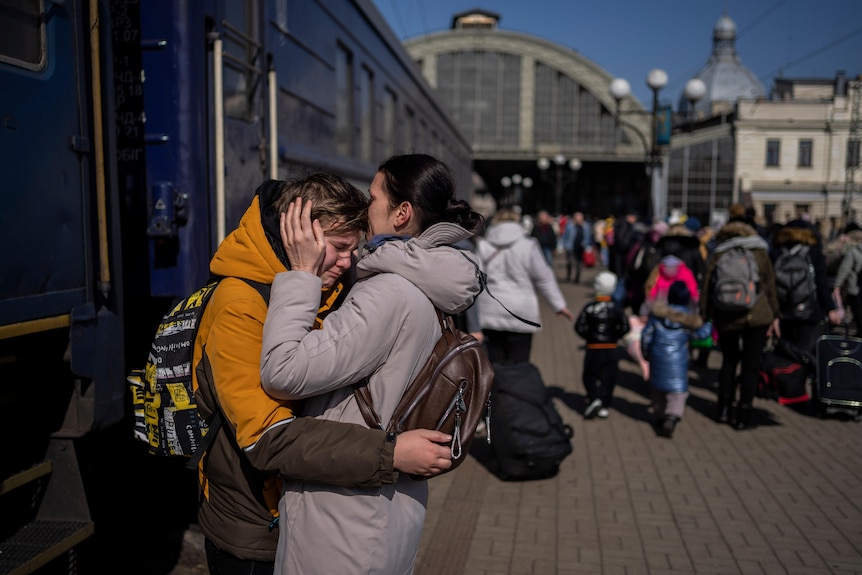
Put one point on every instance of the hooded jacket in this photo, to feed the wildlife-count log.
(765, 308)
(515, 268)
(385, 331)
(664, 343)
(260, 435)
(799, 232)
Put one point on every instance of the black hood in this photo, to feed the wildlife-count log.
(268, 193)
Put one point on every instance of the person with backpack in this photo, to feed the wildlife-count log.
(261, 439)
(601, 323)
(665, 344)
(516, 274)
(847, 279)
(802, 285)
(385, 331)
(739, 299)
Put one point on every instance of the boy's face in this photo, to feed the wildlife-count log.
(337, 258)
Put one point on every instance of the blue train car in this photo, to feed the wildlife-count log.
(133, 137)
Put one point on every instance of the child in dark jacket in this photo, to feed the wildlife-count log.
(602, 323)
(665, 344)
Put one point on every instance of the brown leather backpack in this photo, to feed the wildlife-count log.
(451, 393)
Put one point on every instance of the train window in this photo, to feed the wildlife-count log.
(22, 33)
(389, 107)
(344, 101)
(366, 115)
(242, 75)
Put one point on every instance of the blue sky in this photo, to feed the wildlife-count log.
(802, 38)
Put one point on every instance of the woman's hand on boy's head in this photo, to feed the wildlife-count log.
(303, 239)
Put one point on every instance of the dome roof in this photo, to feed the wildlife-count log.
(725, 77)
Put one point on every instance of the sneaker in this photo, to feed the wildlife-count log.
(668, 424)
(603, 413)
(593, 408)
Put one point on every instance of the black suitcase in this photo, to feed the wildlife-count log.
(528, 437)
(839, 374)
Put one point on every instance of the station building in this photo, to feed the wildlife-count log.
(540, 118)
(547, 134)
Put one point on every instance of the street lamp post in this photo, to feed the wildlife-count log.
(656, 80)
(560, 162)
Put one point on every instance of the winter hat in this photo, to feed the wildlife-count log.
(605, 283)
(693, 224)
(678, 294)
(670, 262)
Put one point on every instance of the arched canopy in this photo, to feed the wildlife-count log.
(516, 96)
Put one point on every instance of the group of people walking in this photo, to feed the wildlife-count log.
(737, 289)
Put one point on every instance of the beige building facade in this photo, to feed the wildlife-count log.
(799, 152)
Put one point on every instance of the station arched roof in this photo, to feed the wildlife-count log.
(583, 99)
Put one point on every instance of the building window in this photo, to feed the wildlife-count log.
(805, 147)
(343, 101)
(366, 115)
(409, 141)
(852, 153)
(22, 34)
(802, 210)
(241, 53)
(389, 107)
(773, 152)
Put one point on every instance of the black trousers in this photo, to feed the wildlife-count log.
(508, 346)
(224, 563)
(745, 347)
(601, 367)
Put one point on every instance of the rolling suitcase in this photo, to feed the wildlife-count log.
(528, 437)
(839, 374)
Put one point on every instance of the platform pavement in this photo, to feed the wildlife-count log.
(784, 497)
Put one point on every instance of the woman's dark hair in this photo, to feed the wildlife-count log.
(427, 184)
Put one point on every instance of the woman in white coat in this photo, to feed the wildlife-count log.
(516, 270)
(385, 331)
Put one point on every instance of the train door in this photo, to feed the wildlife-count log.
(45, 148)
(241, 149)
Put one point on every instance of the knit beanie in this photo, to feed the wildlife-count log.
(678, 294)
(605, 283)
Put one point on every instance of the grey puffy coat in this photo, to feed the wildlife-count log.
(385, 330)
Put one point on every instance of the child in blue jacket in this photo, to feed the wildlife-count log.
(665, 344)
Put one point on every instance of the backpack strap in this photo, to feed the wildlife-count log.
(215, 421)
(483, 284)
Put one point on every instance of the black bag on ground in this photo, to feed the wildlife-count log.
(784, 371)
(528, 437)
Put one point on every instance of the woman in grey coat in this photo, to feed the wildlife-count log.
(385, 331)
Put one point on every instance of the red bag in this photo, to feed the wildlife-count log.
(589, 257)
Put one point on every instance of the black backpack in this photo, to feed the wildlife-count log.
(795, 284)
(528, 437)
